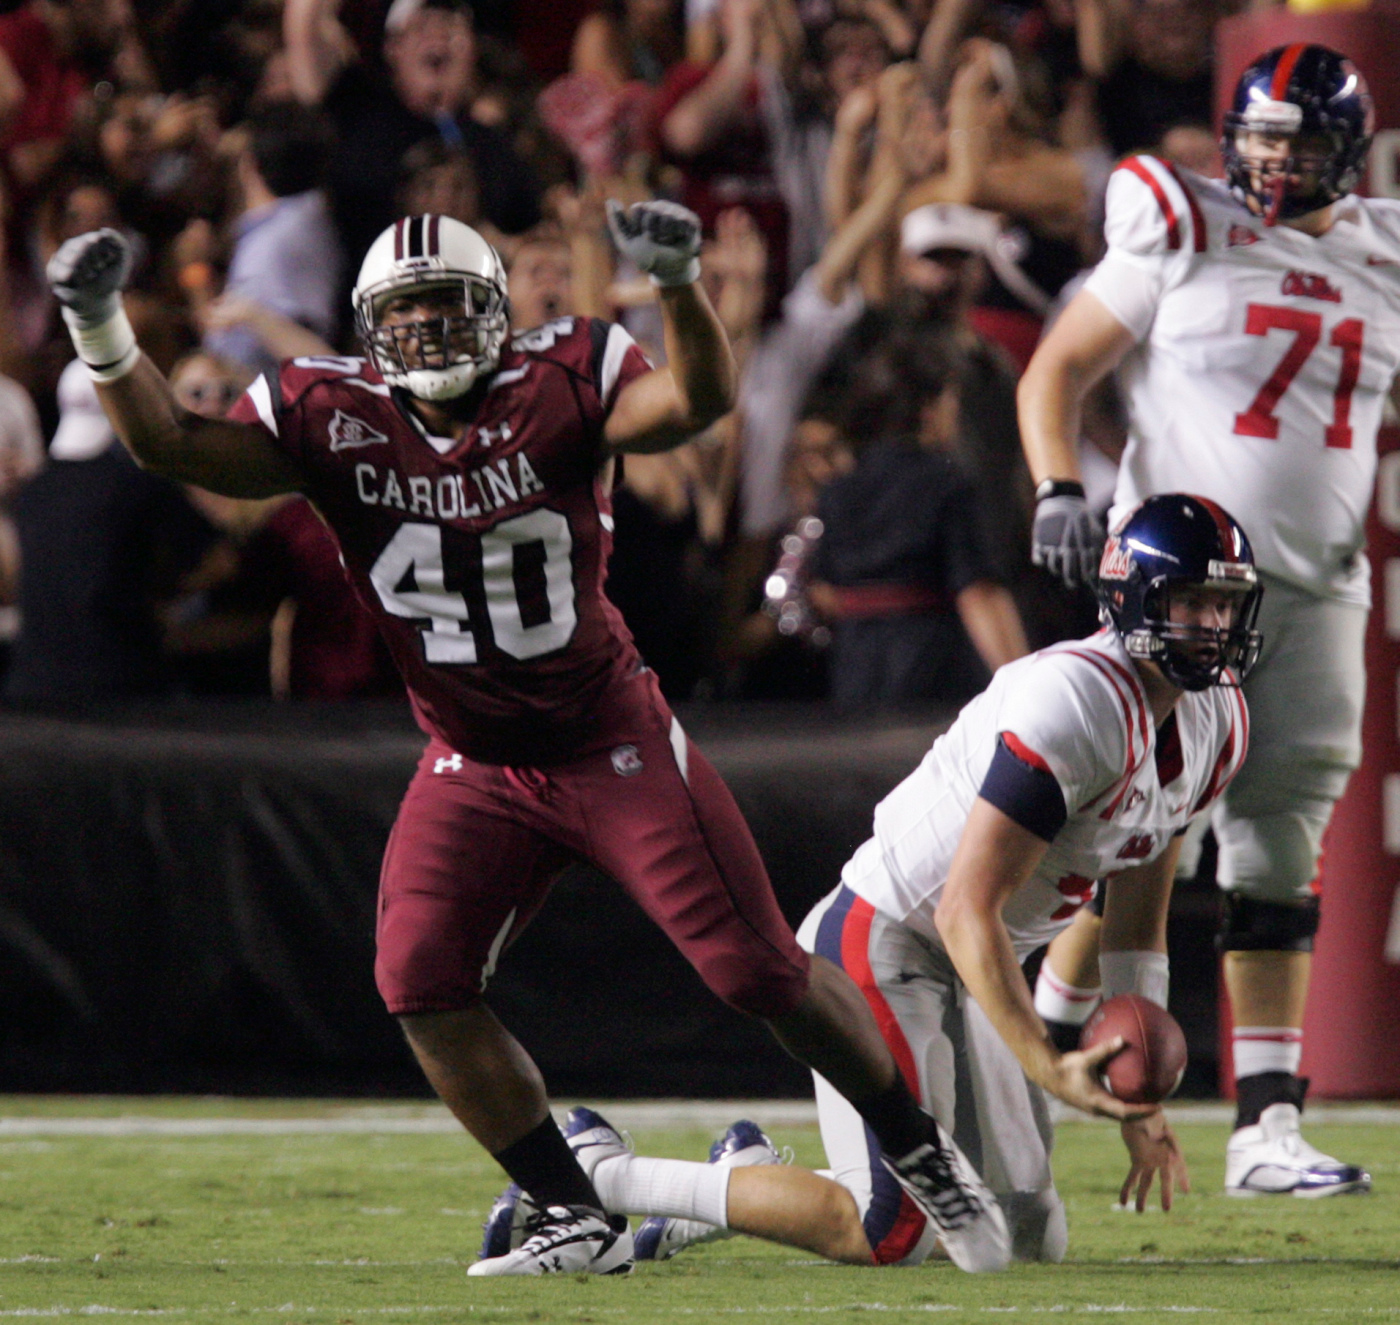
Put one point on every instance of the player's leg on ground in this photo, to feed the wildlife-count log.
(462, 876)
(1305, 701)
(678, 843)
(744, 1188)
(913, 993)
(800, 1208)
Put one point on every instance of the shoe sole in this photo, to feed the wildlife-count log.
(1302, 1193)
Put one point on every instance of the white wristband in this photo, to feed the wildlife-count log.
(1057, 1000)
(688, 275)
(109, 349)
(1140, 972)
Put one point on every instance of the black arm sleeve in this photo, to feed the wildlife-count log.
(1020, 784)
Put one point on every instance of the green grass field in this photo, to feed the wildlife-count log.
(343, 1227)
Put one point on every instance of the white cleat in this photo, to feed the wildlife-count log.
(566, 1239)
(592, 1140)
(1271, 1158)
(945, 1186)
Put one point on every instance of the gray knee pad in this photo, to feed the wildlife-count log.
(1250, 925)
(1039, 1229)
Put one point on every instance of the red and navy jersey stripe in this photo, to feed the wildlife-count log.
(1136, 722)
(893, 1223)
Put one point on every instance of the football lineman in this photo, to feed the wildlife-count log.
(1083, 762)
(1255, 325)
(467, 480)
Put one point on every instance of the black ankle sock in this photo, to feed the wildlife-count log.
(895, 1117)
(1254, 1094)
(542, 1163)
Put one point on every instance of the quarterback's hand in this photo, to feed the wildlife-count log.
(87, 274)
(662, 238)
(1074, 1078)
(1152, 1149)
(1067, 539)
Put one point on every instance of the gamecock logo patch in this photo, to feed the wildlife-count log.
(348, 432)
(626, 762)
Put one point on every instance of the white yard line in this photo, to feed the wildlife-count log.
(638, 1115)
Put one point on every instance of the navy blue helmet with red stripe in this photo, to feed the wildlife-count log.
(1171, 545)
(1318, 101)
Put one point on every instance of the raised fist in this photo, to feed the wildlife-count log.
(87, 275)
(662, 238)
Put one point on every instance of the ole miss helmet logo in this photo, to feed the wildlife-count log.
(1117, 562)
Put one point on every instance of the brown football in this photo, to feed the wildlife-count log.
(1149, 1066)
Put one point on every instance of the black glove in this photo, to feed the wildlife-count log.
(1067, 539)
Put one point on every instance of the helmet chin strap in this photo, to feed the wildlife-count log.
(1278, 188)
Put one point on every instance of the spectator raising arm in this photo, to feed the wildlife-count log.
(317, 46)
(700, 119)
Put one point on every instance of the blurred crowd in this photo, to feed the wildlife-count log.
(897, 195)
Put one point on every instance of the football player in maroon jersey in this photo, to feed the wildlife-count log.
(467, 480)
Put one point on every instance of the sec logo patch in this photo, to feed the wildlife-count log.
(626, 762)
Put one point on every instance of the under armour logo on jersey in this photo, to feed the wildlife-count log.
(1137, 847)
(1240, 236)
(626, 762)
(488, 435)
(1311, 285)
(348, 432)
(450, 764)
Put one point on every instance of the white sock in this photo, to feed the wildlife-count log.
(1266, 1049)
(1056, 1000)
(678, 1188)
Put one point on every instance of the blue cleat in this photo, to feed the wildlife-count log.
(659, 1238)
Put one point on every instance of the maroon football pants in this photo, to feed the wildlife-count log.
(476, 847)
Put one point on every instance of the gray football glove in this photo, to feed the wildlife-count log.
(662, 238)
(1067, 539)
(87, 274)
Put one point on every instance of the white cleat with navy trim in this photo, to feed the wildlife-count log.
(945, 1186)
(566, 1239)
(1270, 1158)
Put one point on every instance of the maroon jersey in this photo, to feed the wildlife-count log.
(482, 559)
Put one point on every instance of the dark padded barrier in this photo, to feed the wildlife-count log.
(187, 904)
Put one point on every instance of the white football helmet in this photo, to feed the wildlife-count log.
(435, 358)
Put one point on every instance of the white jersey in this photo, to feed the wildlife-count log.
(1263, 361)
(1078, 710)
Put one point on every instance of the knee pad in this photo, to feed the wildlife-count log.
(1251, 925)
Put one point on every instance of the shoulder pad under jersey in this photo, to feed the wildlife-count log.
(1152, 209)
